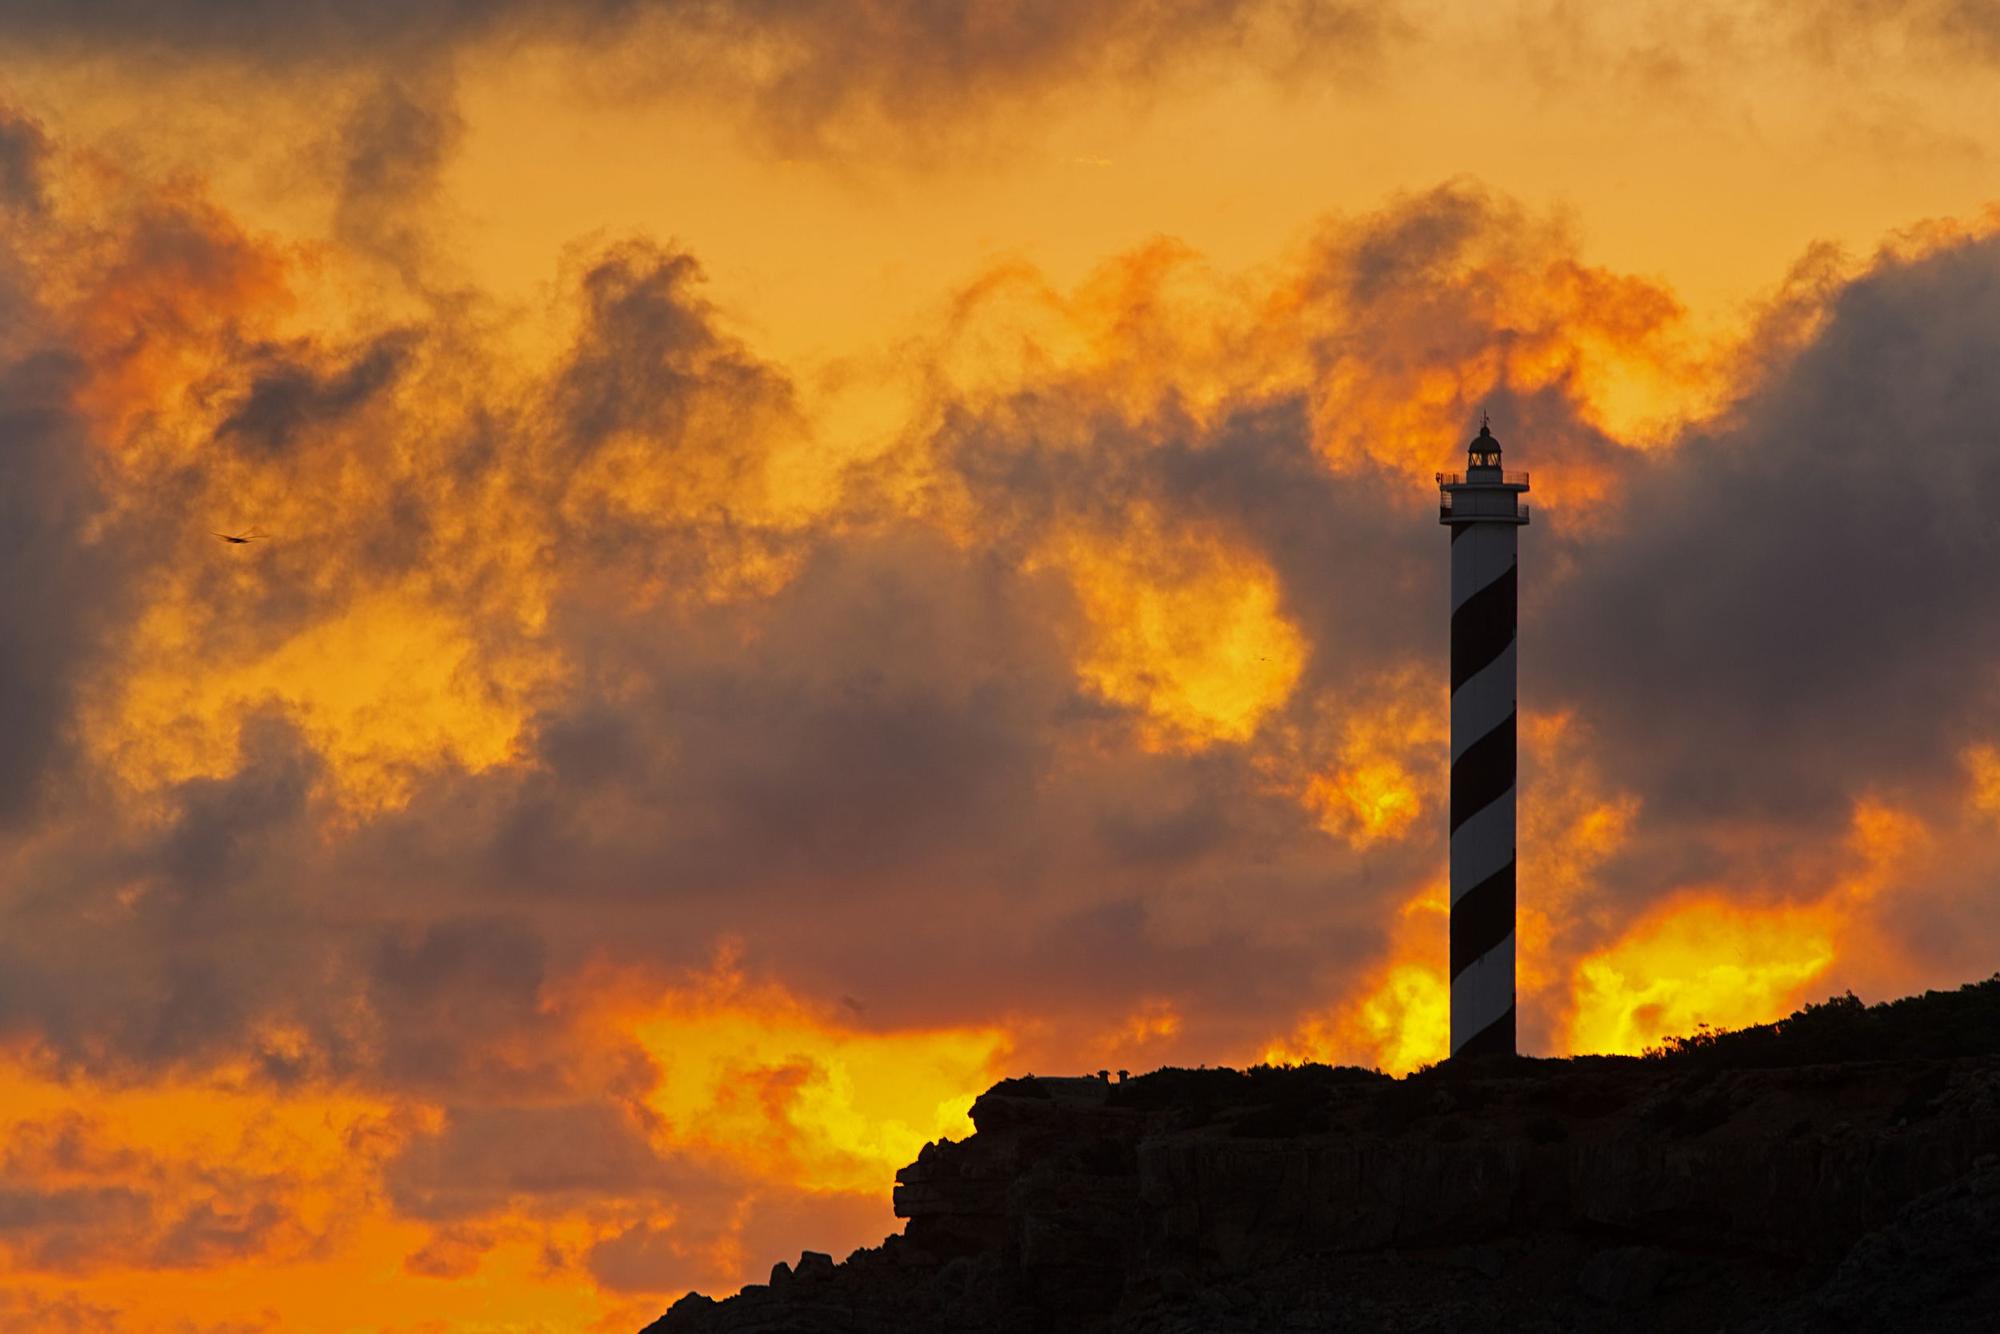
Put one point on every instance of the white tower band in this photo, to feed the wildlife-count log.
(1482, 508)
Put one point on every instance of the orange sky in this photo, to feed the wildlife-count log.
(815, 557)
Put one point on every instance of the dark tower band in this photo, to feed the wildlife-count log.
(1483, 509)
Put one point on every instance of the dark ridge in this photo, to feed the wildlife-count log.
(1837, 1171)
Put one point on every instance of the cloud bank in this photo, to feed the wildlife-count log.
(616, 815)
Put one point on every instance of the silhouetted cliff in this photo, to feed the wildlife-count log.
(1836, 1171)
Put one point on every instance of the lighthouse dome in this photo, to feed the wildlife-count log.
(1484, 451)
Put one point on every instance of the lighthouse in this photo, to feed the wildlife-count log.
(1483, 508)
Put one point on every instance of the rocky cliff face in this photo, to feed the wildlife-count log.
(1838, 1172)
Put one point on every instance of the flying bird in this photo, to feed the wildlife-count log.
(239, 538)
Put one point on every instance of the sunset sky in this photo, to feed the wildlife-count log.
(820, 553)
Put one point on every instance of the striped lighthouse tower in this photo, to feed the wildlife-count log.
(1483, 508)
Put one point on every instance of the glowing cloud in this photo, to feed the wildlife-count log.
(750, 1073)
(1399, 1017)
(1182, 627)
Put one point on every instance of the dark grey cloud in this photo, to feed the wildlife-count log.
(62, 588)
(880, 719)
(811, 69)
(79, 1197)
(134, 949)
(487, 1158)
(75, 1229)
(315, 32)
(223, 827)
(912, 62)
(214, 1231)
(64, 1313)
(1794, 607)
(647, 1258)
(944, 45)
(66, 1229)
(877, 743)
(24, 150)
(387, 161)
(649, 352)
(438, 989)
(287, 395)
(452, 1252)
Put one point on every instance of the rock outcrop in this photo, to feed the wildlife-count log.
(1839, 1171)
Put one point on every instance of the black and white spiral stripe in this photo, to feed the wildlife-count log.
(1483, 598)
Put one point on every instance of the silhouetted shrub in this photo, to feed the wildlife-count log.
(1020, 1086)
(1938, 1025)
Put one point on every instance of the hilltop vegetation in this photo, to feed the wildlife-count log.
(1938, 1025)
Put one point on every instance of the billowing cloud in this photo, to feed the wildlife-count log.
(619, 808)
(1790, 604)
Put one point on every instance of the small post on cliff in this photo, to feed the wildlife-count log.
(1483, 509)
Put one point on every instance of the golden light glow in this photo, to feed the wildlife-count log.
(1375, 799)
(1183, 627)
(1699, 959)
(752, 1074)
(1139, 1042)
(1572, 821)
(1387, 751)
(264, 1205)
(390, 689)
(224, 1203)
(1502, 313)
(1157, 326)
(1721, 959)
(1399, 1017)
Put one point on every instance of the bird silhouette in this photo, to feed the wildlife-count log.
(239, 538)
